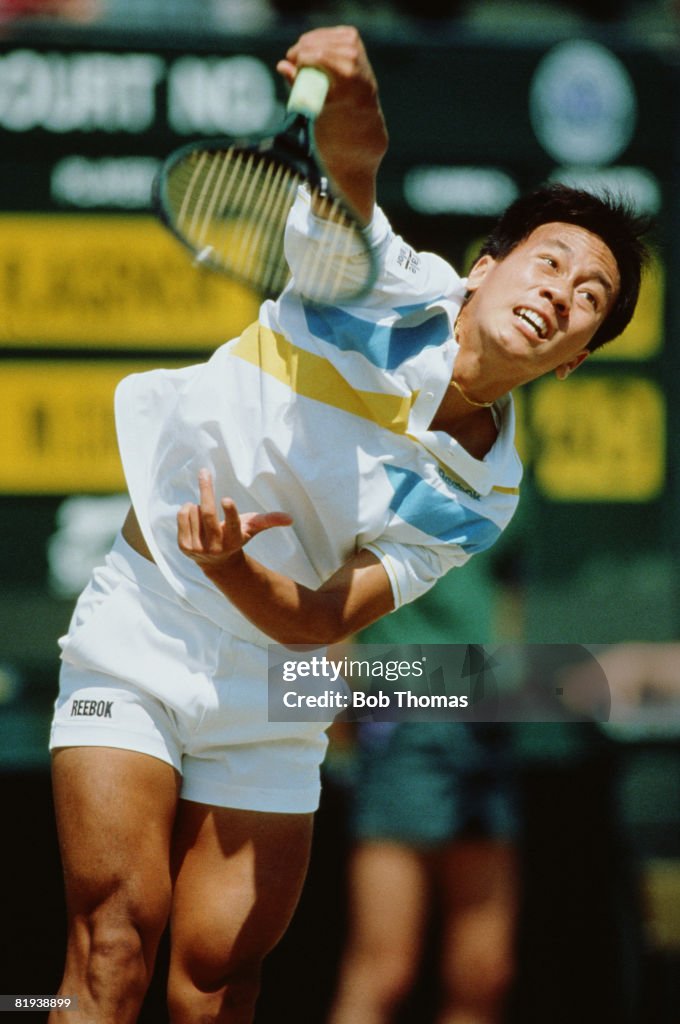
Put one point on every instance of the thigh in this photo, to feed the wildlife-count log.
(115, 811)
(479, 881)
(389, 896)
(479, 873)
(238, 875)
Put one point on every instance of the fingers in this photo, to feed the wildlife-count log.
(189, 529)
(209, 523)
(231, 517)
(199, 530)
(339, 50)
(255, 522)
(287, 70)
(205, 537)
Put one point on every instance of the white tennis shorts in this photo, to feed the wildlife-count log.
(141, 670)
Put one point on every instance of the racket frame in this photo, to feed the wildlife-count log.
(290, 145)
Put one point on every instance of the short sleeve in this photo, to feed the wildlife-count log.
(457, 531)
(403, 274)
(413, 569)
(306, 232)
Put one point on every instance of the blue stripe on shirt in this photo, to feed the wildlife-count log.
(423, 506)
(385, 346)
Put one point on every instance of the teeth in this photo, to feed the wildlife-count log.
(534, 319)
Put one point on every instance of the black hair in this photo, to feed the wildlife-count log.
(612, 219)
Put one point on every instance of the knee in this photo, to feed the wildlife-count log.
(483, 987)
(380, 982)
(230, 997)
(117, 944)
(108, 963)
(393, 979)
(499, 971)
(118, 933)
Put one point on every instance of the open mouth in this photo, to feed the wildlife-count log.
(534, 320)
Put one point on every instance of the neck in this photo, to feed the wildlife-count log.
(474, 429)
(471, 380)
(468, 398)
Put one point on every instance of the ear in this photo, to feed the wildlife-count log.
(563, 371)
(479, 271)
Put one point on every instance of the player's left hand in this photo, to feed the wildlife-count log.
(211, 541)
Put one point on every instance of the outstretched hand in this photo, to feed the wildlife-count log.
(350, 133)
(211, 541)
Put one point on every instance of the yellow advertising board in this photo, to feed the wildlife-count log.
(110, 281)
(598, 439)
(601, 438)
(643, 338)
(57, 426)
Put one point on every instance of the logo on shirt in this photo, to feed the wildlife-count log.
(459, 486)
(408, 259)
(91, 708)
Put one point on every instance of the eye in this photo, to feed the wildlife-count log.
(591, 298)
(550, 260)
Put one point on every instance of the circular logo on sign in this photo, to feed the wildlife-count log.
(582, 103)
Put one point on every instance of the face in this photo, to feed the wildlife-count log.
(537, 309)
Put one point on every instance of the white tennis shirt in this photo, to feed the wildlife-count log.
(323, 412)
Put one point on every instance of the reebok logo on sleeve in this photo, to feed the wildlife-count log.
(408, 259)
(91, 708)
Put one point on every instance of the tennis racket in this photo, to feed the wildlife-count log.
(228, 200)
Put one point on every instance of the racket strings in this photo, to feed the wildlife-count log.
(231, 206)
(250, 189)
(328, 277)
(269, 190)
(273, 220)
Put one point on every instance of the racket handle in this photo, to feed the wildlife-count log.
(309, 92)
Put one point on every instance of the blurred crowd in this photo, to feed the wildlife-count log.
(257, 15)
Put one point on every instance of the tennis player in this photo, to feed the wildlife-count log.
(317, 472)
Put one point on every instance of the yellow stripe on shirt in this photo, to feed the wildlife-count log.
(314, 377)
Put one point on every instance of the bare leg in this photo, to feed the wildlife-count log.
(239, 875)
(115, 810)
(388, 900)
(479, 881)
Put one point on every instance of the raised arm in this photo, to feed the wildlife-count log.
(356, 595)
(350, 132)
